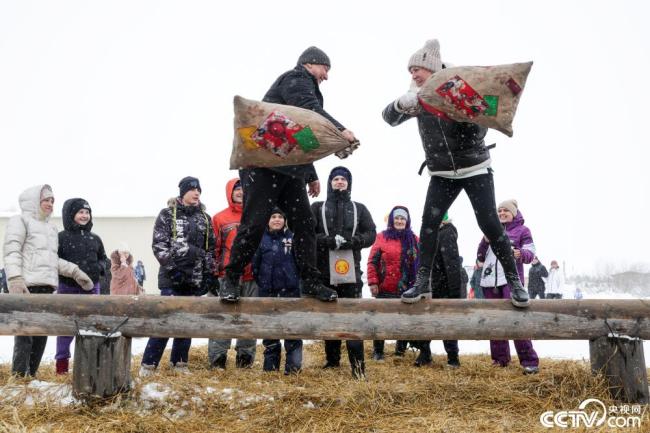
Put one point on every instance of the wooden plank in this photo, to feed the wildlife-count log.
(101, 366)
(622, 362)
(364, 319)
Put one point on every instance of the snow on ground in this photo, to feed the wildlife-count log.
(559, 349)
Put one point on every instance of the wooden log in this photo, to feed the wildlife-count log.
(622, 362)
(101, 366)
(346, 319)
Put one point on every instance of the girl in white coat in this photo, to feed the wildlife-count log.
(33, 266)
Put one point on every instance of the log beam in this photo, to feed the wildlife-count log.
(310, 319)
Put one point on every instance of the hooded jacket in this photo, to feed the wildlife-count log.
(274, 265)
(339, 217)
(450, 147)
(521, 239)
(225, 224)
(299, 88)
(183, 243)
(77, 244)
(536, 276)
(31, 244)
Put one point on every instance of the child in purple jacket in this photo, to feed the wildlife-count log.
(495, 286)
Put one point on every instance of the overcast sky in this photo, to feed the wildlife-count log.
(116, 101)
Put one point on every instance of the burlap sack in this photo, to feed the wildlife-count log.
(274, 135)
(485, 95)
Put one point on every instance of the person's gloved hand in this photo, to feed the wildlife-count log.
(82, 279)
(340, 240)
(407, 103)
(17, 286)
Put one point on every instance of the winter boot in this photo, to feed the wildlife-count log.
(518, 295)
(230, 290)
(244, 360)
(331, 364)
(219, 362)
(378, 356)
(452, 360)
(359, 370)
(420, 288)
(315, 289)
(62, 366)
(424, 358)
(180, 368)
(146, 370)
(531, 370)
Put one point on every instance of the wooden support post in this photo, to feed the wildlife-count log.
(620, 359)
(102, 365)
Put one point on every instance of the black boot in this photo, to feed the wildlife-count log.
(359, 370)
(315, 289)
(518, 295)
(424, 358)
(230, 289)
(219, 362)
(400, 347)
(244, 361)
(420, 288)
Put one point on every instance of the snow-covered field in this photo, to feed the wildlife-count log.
(559, 349)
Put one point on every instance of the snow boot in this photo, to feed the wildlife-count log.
(219, 362)
(453, 361)
(359, 370)
(180, 368)
(146, 370)
(424, 358)
(244, 361)
(518, 295)
(420, 288)
(62, 366)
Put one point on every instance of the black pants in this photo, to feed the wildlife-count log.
(533, 293)
(28, 351)
(263, 190)
(554, 296)
(480, 189)
(354, 347)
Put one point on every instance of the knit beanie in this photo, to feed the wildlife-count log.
(315, 56)
(427, 57)
(341, 171)
(46, 192)
(188, 183)
(511, 205)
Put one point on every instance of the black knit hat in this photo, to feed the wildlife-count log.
(315, 56)
(188, 183)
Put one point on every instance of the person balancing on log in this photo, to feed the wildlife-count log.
(266, 188)
(457, 159)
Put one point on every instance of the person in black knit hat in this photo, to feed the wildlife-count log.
(265, 188)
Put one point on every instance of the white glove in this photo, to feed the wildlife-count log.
(16, 286)
(340, 240)
(82, 279)
(407, 103)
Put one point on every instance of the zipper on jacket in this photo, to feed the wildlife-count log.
(444, 137)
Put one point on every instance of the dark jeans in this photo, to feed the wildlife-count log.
(156, 346)
(273, 353)
(354, 347)
(500, 349)
(533, 293)
(480, 189)
(378, 345)
(554, 296)
(263, 190)
(28, 351)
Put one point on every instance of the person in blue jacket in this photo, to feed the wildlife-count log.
(276, 274)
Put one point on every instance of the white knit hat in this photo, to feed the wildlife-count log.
(427, 57)
(511, 205)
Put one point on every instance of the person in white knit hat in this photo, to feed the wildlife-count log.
(457, 159)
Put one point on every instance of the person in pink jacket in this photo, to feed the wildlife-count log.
(123, 280)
